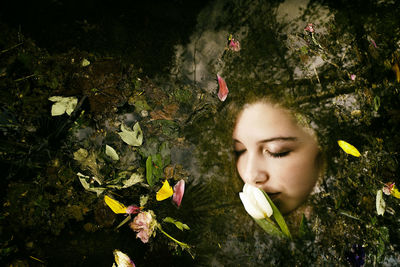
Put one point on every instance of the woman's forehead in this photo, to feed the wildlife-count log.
(262, 120)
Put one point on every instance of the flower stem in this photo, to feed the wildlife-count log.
(184, 246)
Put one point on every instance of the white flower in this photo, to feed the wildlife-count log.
(255, 202)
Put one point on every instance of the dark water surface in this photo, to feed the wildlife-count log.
(155, 62)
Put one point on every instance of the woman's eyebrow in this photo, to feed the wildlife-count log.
(279, 138)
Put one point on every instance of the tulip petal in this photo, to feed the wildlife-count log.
(164, 192)
(348, 148)
(223, 89)
(249, 206)
(114, 205)
(179, 190)
(262, 202)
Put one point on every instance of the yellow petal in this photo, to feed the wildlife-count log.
(165, 191)
(114, 205)
(349, 149)
(395, 192)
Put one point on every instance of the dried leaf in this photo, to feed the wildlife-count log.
(111, 153)
(165, 191)
(132, 137)
(85, 62)
(88, 187)
(63, 105)
(380, 203)
(348, 148)
(134, 179)
(143, 200)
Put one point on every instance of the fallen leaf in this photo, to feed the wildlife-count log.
(348, 148)
(132, 137)
(134, 179)
(85, 62)
(63, 105)
(165, 191)
(380, 203)
(111, 153)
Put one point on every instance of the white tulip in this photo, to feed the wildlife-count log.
(255, 202)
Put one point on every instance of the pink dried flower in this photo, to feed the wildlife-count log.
(309, 28)
(132, 209)
(234, 45)
(223, 89)
(353, 77)
(179, 190)
(144, 223)
(388, 188)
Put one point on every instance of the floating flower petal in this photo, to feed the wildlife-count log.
(165, 191)
(114, 205)
(122, 259)
(348, 148)
(132, 209)
(179, 190)
(223, 89)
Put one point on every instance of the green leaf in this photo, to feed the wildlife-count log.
(149, 171)
(377, 103)
(132, 137)
(304, 230)
(278, 217)
(178, 224)
(111, 153)
(269, 227)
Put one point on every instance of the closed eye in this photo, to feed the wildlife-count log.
(238, 153)
(278, 155)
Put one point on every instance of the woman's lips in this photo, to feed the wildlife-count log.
(273, 196)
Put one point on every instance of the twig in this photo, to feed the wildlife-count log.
(24, 78)
(12, 47)
(316, 74)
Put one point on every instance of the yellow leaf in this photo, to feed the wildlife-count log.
(165, 191)
(349, 149)
(395, 192)
(114, 205)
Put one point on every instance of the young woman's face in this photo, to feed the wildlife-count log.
(275, 154)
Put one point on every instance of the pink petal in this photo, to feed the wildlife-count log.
(132, 209)
(223, 89)
(179, 190)
(353, 77)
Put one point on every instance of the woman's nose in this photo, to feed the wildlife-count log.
(255, 170)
